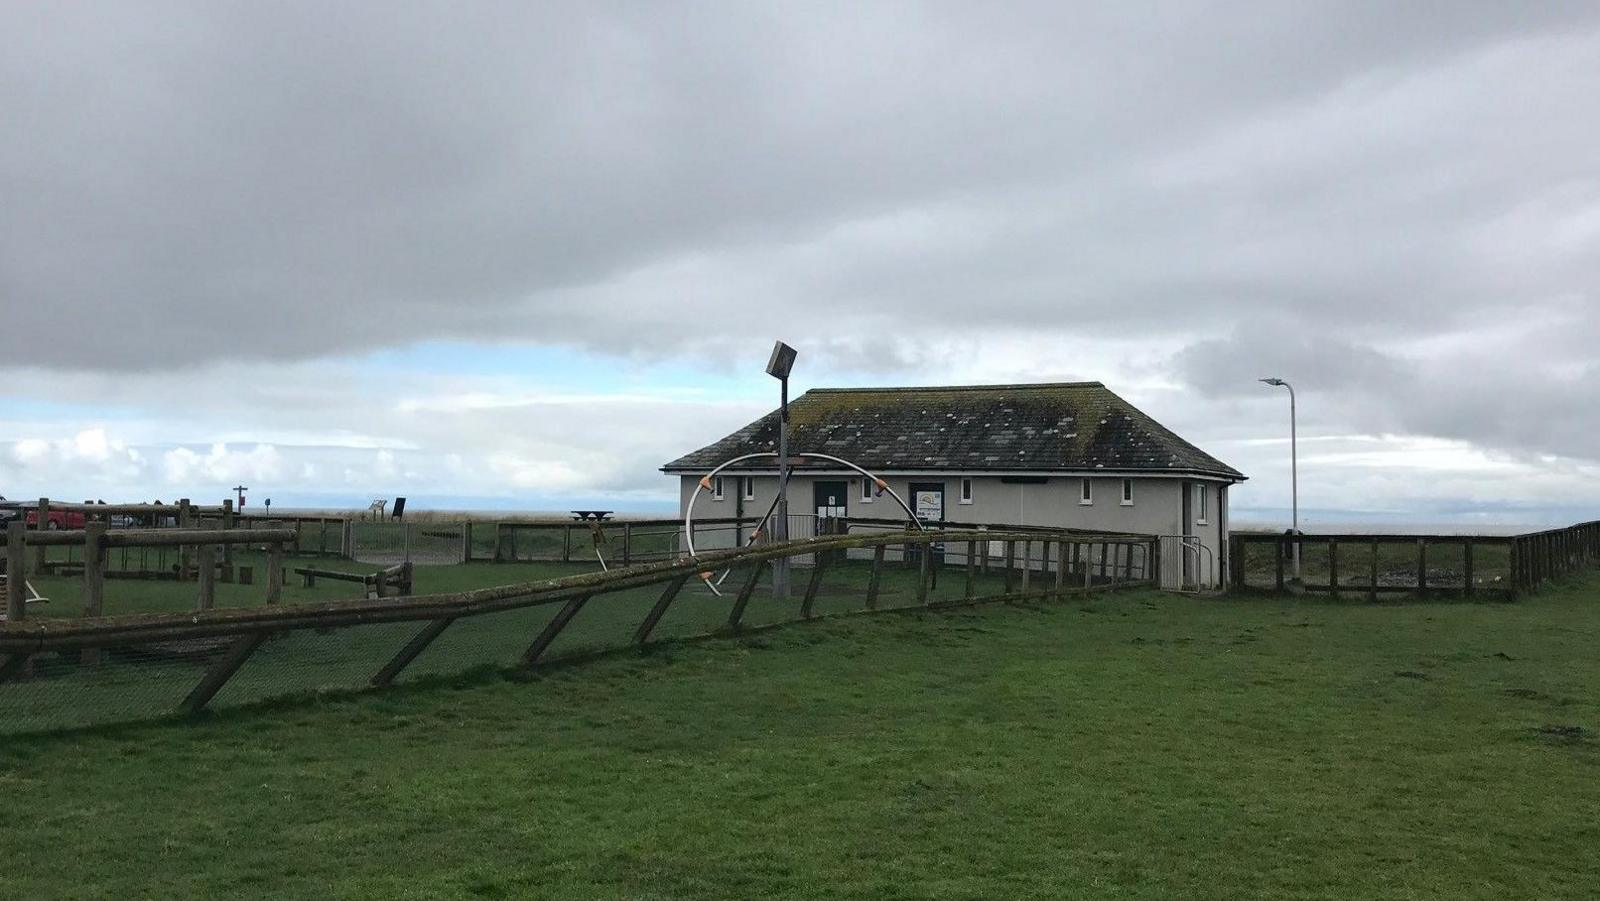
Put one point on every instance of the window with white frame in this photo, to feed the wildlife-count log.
(716, 488)
(1127, 492)
(866, 491)
(966, 491)
(1202, 504)
(1086, 492)
(749, 487)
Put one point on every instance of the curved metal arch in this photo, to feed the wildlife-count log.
(705, 484)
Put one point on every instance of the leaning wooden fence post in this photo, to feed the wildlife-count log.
(552, 629)
(411, 651)
(818, 565)
(642, 635)
(736, 615)
(275, 572)
(16, 571)
(223, 669)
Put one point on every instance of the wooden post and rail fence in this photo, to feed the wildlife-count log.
(1374, 565)
(246, 629)
(96, 540)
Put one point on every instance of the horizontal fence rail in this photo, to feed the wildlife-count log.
(235, 655)
(1374, 565)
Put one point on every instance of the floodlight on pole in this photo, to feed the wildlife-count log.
(778, 366)
(1294, 466)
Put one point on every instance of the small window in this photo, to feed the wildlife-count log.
(1202, 504)
(716, 488)
(749, 487)
(1127, 492)
(1086, 492)
(866, 491)
(966, 491)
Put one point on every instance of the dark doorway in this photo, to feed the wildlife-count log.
(831, 499)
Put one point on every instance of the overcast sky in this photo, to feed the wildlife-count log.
(521, 255)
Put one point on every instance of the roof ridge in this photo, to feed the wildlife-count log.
(1013, 385)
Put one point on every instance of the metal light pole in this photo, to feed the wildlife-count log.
(778, 366)
(1294, 466)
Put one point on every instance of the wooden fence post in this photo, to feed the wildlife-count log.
(94, 570)
(16, 570)
(205, 555)
(275, 572)
(972, 569)
(1027, 566)
(1011, 568)
(1088, 565)
(227, 549)
(466, 541)
(1372, 592)
(642, 635)
(627, 543)
(185, 552)
(1282, 549)
(41, 553)
(924, 564)
(876, 578)
(1333, 568)
(566, 544)
(1467, 567)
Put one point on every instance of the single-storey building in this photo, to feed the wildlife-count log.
(1072, 455)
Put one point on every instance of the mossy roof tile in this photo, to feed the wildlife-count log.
(999, 428)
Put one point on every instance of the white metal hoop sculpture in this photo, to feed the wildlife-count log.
(713, 580)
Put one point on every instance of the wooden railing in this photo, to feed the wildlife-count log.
(1373, 565)
(245, 629)
(96, 540)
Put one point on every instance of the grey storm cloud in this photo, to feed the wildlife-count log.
(1327, 189)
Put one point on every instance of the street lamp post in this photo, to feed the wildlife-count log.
(1294, 466)
(778, 366)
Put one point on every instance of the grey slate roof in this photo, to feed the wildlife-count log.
(1067, 427)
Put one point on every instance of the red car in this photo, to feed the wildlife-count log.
(59, 519)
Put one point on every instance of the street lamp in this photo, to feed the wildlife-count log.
(778, 366)
(1294, 466)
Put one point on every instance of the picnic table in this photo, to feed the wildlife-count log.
(591, 515)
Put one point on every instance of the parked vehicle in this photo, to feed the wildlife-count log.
(58, 519)
(9, 510)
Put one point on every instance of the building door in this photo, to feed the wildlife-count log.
(831, 499)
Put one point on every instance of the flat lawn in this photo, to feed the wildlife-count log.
(1125, 746)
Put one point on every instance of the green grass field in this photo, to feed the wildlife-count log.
(1126, 746)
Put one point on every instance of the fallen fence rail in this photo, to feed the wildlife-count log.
(209, 649)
